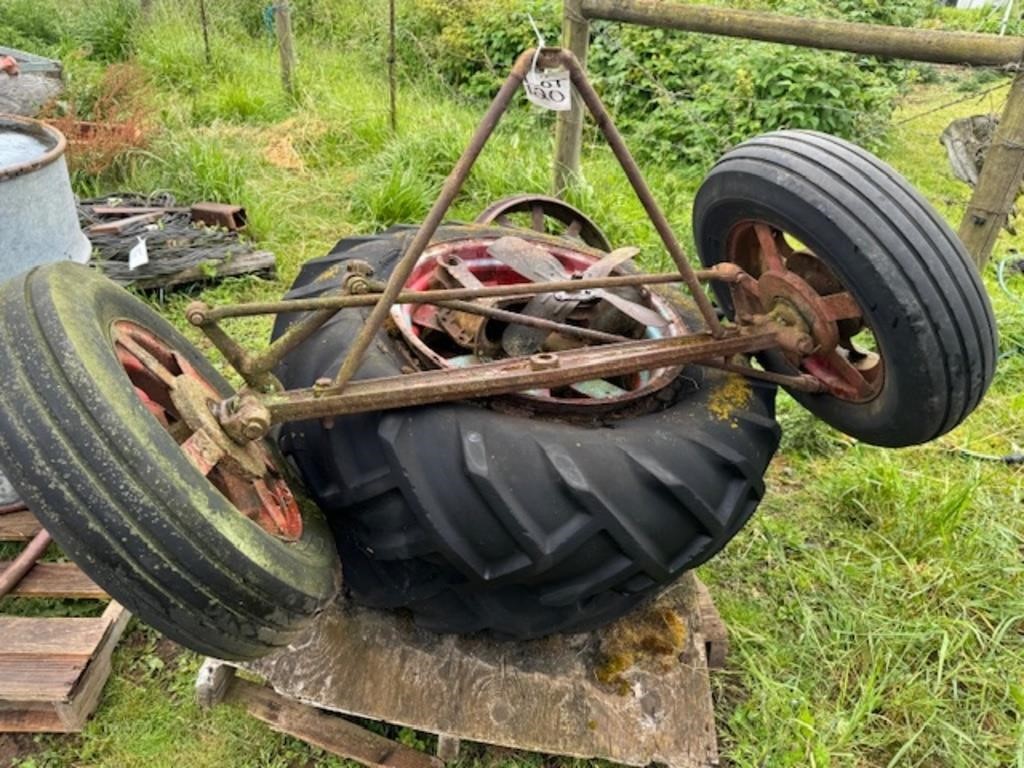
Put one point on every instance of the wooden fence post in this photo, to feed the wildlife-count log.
(392, 64)
(569, 129)
(283, 25)
(206, 32)
(999, 182)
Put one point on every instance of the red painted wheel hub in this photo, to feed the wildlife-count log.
(181, 399)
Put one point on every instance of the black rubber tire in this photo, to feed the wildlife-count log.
(118, 495)
(920, 291)
(480, 519)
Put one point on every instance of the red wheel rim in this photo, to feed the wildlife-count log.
(419, 326)
(245, 475)
(769, 254)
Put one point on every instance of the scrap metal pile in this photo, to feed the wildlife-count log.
(181, 243)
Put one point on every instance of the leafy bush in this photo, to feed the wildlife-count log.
(691, 96)
(472, 43)
(681, 96)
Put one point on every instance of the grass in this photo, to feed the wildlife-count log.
(875, 602)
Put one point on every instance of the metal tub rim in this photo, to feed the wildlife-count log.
(53, 139)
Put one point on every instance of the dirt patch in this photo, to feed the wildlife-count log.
(16, 746)
(282, 154)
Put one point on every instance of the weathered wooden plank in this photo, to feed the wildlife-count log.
(716, 634)
(30, 636)
(85, 694)
(241, 264)
(60, 580)
(43, 678)
(329, 732)
(603, 694)
(30, 718)
(18, 526)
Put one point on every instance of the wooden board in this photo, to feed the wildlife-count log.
(57, 580)
(600, 694)
(329, 732)
(18, 526)
(52, 670)
(242, 264)
(57, 685)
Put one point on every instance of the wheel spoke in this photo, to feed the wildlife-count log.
(143, 357)
(278, 512)
(202, 451)
(841, 376)
(574, 228)
(841, 306)
(537, 217)
(771, 255)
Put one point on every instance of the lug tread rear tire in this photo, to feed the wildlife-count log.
(475, 519)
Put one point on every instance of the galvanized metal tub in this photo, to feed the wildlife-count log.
(38, 218)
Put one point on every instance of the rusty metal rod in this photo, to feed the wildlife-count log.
(451, 188)
(940, 47)
(213, 314)
(507, 376)
(604, 121)
(301, 331)
(253, 368)
(800, 382)
(17, 506)
(24, 562)
(517, 318)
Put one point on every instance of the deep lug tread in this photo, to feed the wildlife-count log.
(533, 527)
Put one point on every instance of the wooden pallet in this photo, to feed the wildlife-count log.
(52, 670)
(543, 696)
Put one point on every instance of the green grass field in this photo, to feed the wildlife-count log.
(875, 602)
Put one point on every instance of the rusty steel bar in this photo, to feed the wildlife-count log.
(213, 314)
(9, 509)
(800, 382)
(936, 46)
(300, 332)
(636, 179)
(517, 318)
(451, 188)
(24, 562)
(507, 376)
(253, 368)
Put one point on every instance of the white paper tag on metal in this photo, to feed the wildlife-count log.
(550, 89)
(139, 255)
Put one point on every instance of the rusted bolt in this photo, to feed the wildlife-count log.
(197, 312)
(356, 284)
(256, 427)
(544, 361)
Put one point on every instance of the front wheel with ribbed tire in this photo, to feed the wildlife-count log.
(488, 517)
(918, 352)
(101, 443)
